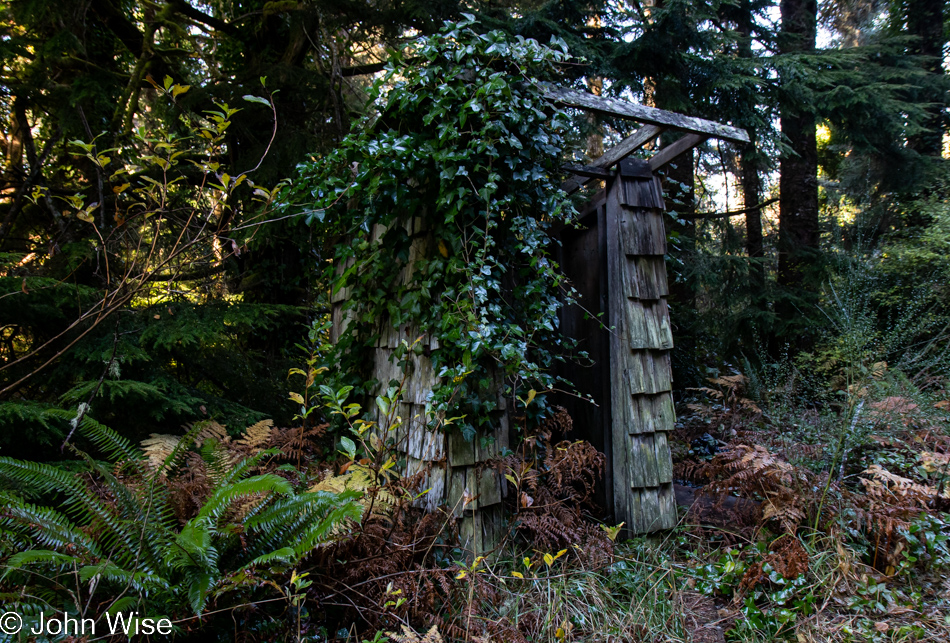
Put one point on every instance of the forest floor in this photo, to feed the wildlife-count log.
(800, 525)
(798, 522)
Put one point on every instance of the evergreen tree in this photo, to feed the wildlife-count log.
(925, 22)
(93, 311)
(798, 223)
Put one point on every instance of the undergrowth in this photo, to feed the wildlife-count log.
(820, 521)
(804, 524)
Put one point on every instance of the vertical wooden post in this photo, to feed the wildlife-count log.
(641, 401)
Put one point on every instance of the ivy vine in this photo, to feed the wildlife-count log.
(464, 140)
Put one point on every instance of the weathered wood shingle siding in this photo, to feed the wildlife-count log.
(641, 398)
(454, 468)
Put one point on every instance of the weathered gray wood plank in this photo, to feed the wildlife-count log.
(648, 324)
(588, 171)
(651, 518)
(614, 155)
(652, 413)
(642, 192)
(644, 114)
(457, 484)
(489, 487)
(618, 353)
(628, 146)
(664, 463)
(634, 515)
(461, 452)
(645, 277)
(649, 372)
(676, 148)
(642, 231)
(642, 453)
(667, 506)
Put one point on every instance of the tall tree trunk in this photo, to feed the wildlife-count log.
(751, 197)
(924, 19)
(749, 166)
(595, 140)
(798, 183)
(679, 187)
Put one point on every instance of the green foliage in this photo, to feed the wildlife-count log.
(131, 303)
(455, 183)
(113, 542)
(769, 610)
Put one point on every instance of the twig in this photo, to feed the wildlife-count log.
(84, 408)
(731, 213)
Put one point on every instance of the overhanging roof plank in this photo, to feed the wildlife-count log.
(614, 155)
(677, 147)
(644, 114)
(628, 146)
(574, 184)
(588, 171)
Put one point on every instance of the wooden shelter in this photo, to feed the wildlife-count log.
(617, 264)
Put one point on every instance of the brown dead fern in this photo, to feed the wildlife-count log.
(786, 556)
(209, 430)
(408, 636)
(550, 488)
(158, 447)
(755, 472)
(255, 437)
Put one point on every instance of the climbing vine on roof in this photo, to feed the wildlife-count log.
(464, 141)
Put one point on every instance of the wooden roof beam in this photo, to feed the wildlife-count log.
(644, 114)
(620, 151)
(674, 149)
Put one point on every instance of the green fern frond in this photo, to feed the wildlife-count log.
(218, 459)
(117, 448)
(140, 516)
(38, 477)
(222, 498)
(193, 548)
(329, 528)
(304, 521)
(199, 586)
(40, 556)
(284, 555)
(112, 532)
(244, 466)
(44, 525)
(138, 581)
(124, 604)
